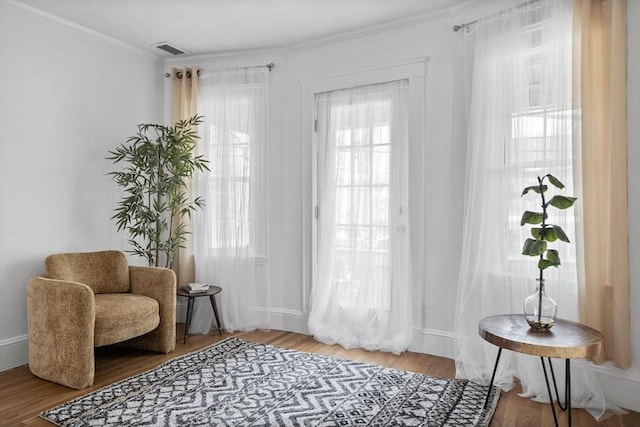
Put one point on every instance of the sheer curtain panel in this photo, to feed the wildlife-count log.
(361, 292)
(231, 231)
(521, 125)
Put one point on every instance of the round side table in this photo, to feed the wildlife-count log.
(566, 339)
(211, 293)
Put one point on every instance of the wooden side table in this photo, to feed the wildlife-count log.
(566, 339)
(211, 293)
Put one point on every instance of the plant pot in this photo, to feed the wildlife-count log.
(540, 310)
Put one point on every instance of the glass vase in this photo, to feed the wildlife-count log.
(539, 309)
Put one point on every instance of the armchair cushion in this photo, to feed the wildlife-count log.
(120, 317)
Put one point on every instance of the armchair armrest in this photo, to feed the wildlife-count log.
(61, 320)
(160, 284)
(155, 282)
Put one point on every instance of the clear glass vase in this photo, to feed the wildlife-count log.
(539, 309)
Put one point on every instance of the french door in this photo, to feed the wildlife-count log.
(361, 288)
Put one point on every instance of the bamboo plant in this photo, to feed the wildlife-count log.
(159, 164)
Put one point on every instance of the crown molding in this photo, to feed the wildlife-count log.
(434, 15)
(225, 55)
(77, 27)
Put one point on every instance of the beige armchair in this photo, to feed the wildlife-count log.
(94, 299)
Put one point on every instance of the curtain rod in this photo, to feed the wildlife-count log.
(458, 27)
(179, 74)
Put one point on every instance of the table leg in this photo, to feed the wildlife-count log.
(215, 312)
(567, 389)
(546, 380)
(189, 316)
(493, 377)
(566, 378)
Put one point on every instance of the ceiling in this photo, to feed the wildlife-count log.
(218, 26)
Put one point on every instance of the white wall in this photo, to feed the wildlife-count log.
(66, 99)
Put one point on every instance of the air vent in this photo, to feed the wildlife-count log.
(169, 48)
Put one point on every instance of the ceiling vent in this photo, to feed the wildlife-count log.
(169, 48)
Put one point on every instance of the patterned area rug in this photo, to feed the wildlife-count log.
(238, 383)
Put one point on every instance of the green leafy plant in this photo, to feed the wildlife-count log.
(544, 232)
(159, 164)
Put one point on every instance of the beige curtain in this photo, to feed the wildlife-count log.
(184, 101)
(600, 63)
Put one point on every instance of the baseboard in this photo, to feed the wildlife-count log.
(288, 320)
(620, 387)
(276, 318)
(434, 342)
(14, 352)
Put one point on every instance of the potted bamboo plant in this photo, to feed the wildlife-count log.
(158, 164)
(539, 309)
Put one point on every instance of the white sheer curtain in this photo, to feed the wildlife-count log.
(361, 294)
(230, 233)
(521, 126)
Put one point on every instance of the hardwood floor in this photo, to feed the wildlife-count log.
(23, 396)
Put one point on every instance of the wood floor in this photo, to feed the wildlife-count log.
(23, 396)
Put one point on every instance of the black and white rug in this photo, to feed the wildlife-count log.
(238, 383)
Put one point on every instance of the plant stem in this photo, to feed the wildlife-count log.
(148, 249)
(159, 178)
(542, 233)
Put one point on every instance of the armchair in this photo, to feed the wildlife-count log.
(93, 299)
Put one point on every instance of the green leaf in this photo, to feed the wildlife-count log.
(560, 233)
(529, 217)
(537, 188)
(549, 234)
(534, 247)
(562, 202)
(551, 259)
(544, 264)
(552, 256)
(555, 181)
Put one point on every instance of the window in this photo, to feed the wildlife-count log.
(233, 105)
(541, 130)
(362, 198)
(230, 182)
